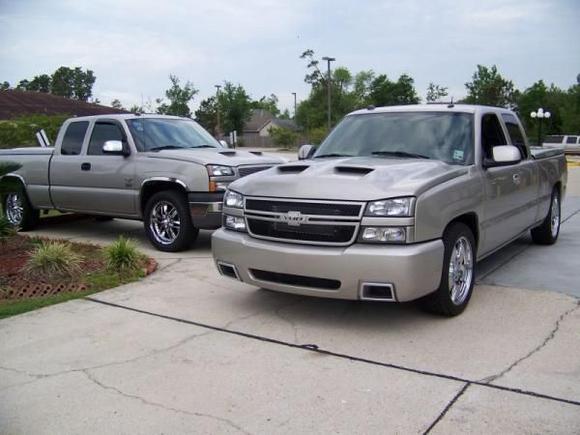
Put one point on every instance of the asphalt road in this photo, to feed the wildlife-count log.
(187, 351)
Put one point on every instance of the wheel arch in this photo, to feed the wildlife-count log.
(151, 186)
(470, 220)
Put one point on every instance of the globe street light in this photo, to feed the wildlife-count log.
(328, 84)
(540, 115)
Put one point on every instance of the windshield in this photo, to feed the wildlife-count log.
(152, 134)
(442, 136)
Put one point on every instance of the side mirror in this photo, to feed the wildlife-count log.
(306, 151)
(115, 147)
(224, 143)
(504, 155)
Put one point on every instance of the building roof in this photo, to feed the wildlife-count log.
(15, 103)
(259, 119)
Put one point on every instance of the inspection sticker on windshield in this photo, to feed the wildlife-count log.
(458, 155)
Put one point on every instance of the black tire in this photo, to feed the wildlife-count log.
(549, 230)
(441, 301)
(29, 216)
(185, 234)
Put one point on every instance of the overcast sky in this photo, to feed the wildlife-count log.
(133, 45)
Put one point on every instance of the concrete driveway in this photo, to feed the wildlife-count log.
(187, 351)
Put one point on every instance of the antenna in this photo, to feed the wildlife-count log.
(450, 105)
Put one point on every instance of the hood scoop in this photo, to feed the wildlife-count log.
(292, 169)
(257, 153)
(353, 170)
(228, 153)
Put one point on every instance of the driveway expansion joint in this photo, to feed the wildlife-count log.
(447, 408)
(353, 358)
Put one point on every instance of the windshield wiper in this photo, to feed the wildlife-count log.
(333, 155)
(400, 154)
(166, 147)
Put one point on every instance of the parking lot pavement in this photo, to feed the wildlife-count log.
(186, 350)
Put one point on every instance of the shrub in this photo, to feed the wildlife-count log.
(283, 136)
(53, 259)
(123, 256)
(317, 135)
(21, 131)
(6, 229)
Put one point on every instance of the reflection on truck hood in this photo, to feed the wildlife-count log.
(355, 179)
(215, 156)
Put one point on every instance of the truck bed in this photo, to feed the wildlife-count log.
(539, 153)
(27, 151)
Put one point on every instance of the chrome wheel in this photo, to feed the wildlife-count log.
(14, 208)
(165, 223)
(555, 214)
(460, 270)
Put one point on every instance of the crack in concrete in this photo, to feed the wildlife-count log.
(293, 325)
(447, 408)
(538, 348)
(116, 390)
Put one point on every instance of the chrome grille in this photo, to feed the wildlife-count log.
(303, 221)
(247, 170)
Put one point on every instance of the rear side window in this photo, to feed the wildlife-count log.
(102, 132)
(515, 132)
(72, 141)
(491, 134)
(554, 139)
(571, 139)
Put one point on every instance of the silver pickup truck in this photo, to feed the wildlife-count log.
(165, 170)
(397, 204)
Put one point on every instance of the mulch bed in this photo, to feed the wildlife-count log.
(17, 284)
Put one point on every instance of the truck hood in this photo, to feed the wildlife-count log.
(355, 178)
(216, 156)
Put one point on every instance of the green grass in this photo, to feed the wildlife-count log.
(96, 281)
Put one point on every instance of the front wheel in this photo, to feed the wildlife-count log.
(168, 222)
(458, 275)
(547, 233)
(19, 211)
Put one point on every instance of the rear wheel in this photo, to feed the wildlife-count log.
(168, 222)
(458, 275)
(19, 211)
(547, 233)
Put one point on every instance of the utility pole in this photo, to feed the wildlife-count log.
(217, 100)
(328, 85)
(294, 93)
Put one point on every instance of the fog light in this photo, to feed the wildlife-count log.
(384, 235)
(236, 223)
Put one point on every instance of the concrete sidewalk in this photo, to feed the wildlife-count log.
(187, 351)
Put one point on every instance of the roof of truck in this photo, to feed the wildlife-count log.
(436, 107)
(125, 116)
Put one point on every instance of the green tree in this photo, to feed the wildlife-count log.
(283, 136)
(116, 104)
(179, 98)
(384, 92)
(285, 114)
(40, 83)
(489, 88)
(135, 108)
(267, 103)
(4, 86)
(435, 92)
(72, 83)
(207, 113)
(23, 85)
(235, 107)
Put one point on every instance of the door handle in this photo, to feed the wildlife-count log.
(85, 167)
(516, 178)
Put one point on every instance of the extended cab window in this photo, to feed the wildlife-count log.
(72, 142)
(515, 132)
(102, 132)
(571, 139)
(491, 134)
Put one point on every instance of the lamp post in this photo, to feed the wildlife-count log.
(294, 93)
(328, 85)
(217, 100)
(540, 115)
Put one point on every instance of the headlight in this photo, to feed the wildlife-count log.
(220, 171)
(397, 207)
(233, 199)
(383, 235)
(236, 223)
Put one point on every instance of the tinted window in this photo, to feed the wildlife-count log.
(72, 141)
(491, 134)
(571, 139)
(554, 139)
(442, 136)
(102, 132)
(515, 132)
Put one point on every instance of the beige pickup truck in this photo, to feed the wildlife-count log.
(397, 204)
(164, 170)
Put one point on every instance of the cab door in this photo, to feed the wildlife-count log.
(505, 203)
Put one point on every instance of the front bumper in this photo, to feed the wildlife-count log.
(206, 209)
(413, 270)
